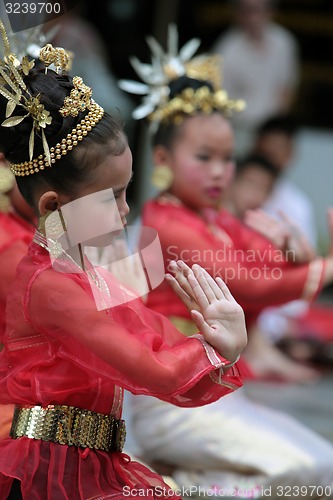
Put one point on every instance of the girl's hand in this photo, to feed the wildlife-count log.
(283, 233)
(217, 315)
(269, 227)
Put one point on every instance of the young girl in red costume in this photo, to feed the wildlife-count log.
(66, 359)
(232, 444)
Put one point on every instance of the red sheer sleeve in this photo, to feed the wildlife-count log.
(15, 237)
(131, 345)
(256, 272)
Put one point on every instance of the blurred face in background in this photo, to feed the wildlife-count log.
(278, 147)
(251, 189)
(252, 16)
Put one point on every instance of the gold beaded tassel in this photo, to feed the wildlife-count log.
(94, 115)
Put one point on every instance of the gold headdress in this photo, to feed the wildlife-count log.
(157, 106)
(14, 89)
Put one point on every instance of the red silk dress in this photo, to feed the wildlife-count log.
(256, 272)
(59, 349)
(15, 236)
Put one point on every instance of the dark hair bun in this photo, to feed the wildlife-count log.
(52, 89)
(184, 82)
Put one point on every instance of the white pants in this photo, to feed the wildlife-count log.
(232, 445)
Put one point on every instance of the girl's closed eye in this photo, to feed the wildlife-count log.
(203, 156)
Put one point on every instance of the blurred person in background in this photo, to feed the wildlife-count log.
(276, 138)
(260, 64)
(302, 329)
(237, 444)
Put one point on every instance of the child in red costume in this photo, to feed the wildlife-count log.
(234, 444)
(66, 360)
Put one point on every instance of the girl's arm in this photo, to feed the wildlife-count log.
(132, 346)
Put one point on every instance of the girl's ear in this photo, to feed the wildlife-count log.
(161, 155)
(49, 201)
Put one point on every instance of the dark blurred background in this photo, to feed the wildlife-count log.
(124, 24)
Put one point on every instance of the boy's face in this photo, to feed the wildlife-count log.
(251, 189)
(278, 147)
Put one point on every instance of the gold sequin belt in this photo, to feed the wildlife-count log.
(69, 425)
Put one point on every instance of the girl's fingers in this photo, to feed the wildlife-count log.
(176, 287)
(224, 289)
(200, 322)
(199, 294)
(206, 282)
(212, 283)
(181, 277)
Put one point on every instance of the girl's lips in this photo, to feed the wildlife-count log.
(214, 192)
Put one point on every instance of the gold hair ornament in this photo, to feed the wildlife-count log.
(59, 57)
(13, 88)
(190, 101)
(171, 65)
(78, 99)
(61, 148)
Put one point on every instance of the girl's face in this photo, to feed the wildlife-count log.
(114, 174)
(97, 212)
(201, 159)
(102, 207)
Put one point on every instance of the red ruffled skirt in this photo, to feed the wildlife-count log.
(50, 471)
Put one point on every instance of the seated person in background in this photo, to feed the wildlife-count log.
(302, 329)
(254, 180)
(275, 139)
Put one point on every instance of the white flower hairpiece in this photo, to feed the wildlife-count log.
(167, 66)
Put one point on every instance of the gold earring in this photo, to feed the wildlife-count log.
(7, 181)
(162, 177)
(54, 227)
